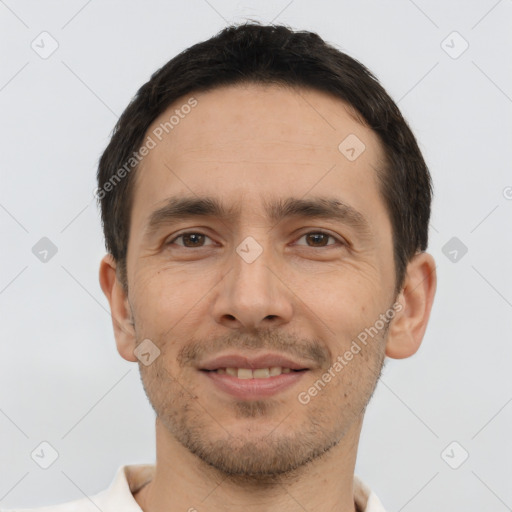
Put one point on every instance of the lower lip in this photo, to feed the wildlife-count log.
(254, 388)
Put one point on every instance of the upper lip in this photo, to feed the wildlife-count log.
(266, 360)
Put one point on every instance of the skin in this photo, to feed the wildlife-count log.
(303, 297)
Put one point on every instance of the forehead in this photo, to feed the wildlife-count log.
(253, 141)
(240, 118)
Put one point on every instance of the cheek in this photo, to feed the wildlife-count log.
(344, 300)
(340, 298)
(165, 299)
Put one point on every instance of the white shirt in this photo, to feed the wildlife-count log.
(118, 497)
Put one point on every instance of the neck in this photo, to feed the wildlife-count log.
(182, 482)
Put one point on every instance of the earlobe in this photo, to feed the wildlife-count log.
(119, 308)
(408, 327)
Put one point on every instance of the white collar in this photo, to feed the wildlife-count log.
(130, 478)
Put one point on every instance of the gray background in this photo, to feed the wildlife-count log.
(61, 378)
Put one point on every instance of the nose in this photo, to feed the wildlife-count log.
(253, 295)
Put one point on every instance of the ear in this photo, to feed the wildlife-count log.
(408, 326)
(122, 321)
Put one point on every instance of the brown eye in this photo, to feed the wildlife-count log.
(190, 240)
(319, 239)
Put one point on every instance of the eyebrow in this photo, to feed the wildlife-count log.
(181, 208)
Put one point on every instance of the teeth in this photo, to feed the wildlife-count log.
(260, 373)
(257, 373)
(244, 373)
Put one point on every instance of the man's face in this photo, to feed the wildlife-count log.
(261, 281)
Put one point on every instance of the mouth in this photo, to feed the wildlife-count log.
(253, 378)
(254, 373)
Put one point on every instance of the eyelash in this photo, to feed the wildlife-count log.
(317, 232)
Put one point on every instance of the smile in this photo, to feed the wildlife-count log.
(254, 373)
(255, 383)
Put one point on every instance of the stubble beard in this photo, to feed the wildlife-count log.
(275, 452)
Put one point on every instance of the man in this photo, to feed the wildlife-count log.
(265, 208)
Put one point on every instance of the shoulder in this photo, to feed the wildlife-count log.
(365, 498)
